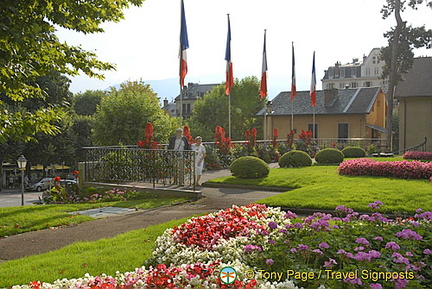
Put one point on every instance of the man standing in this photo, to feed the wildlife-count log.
(178, 144)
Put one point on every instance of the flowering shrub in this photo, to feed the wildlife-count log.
(222, 142)
(397, 169)
(250, 142)
(149, 142)
(426, 156)
(318, 251)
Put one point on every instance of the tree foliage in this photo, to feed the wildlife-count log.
(124, 113)
(398, 55)
(212, 110)
(29, 49)
(86, 103)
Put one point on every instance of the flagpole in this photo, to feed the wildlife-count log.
(293, 87)
(228, 81)
(184, 44)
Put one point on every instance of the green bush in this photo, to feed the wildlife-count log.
(249, 168)
(354, 152)
(295, 158)
(329, 156)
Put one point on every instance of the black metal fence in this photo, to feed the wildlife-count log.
(132, 164)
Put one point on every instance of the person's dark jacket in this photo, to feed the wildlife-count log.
(172, 140)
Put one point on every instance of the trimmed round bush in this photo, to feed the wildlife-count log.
(249, 168)
(329, 156)
(295, 158)
(354, 152)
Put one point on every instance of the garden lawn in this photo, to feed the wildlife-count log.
(17, 220)
(321, 187)
(124, 252)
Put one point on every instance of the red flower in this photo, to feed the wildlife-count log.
(57, 179)
(75, 173)
(35, 285)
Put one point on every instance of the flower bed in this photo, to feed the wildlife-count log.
(397, 169)
(271, 249)
(425, 156)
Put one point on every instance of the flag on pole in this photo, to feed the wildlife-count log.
(293, 79)
(313, 83)
(229, 68)
(263, 87)
(184, 44)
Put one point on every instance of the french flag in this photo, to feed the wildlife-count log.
(313, 83)
(263, 87)
(293, 79)
(229, 67)
(184, 44)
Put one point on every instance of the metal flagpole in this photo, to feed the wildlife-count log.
(292, 115)
(181, 105)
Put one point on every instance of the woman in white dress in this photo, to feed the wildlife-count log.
(200, 153)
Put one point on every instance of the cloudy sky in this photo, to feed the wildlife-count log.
(145, 44)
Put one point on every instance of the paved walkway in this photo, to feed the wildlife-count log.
(214, 199)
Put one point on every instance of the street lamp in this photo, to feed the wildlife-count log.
(22, 163)
(267, 111)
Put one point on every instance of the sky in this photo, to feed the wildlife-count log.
(145, 45)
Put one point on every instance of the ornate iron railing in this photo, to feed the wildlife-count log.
(132, 164)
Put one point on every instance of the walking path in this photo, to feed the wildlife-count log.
(43, 241)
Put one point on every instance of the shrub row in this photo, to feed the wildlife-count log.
(398, 169)
(425, 156)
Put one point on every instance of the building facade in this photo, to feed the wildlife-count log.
(365, 73)
(339, 114)
(191, 93)
(414, 94)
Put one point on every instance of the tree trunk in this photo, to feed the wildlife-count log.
(393, 75)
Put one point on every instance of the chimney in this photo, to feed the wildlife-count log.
(330, 96)
(165, 102)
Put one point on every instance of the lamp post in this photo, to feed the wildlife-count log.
(267, 111)
(22, 163)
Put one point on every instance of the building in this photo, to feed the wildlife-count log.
(414, 94)
(191, 93)
(365, 73)
(339, 113)
(169, 107)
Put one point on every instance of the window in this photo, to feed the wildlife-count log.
(354, 72)
(342, 73)
(376, 70)
(342, 130)
(341, 85)
(368, 84)
(367, 71)
(310, 127)
(353, 84)
(330, 86)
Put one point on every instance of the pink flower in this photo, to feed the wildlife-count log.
(392, 245)
(362, 241)
(323, 245)
(408, 234)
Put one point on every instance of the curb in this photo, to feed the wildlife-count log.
(246, 187)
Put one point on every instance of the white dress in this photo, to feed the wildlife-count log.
(199, 152)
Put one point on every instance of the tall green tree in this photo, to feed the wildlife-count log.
(86, 103)
(124, 113)
(398, 55)
(29, 49)
(212, 110)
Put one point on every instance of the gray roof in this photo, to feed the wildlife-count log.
(195, 90)
(336, 101)
(418, 81)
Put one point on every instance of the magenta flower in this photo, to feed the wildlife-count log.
(323, 245)
(408, 234)
(362, 241)
(290, 215)
(375, 286)
(427, 252)
(269, 262)
(317, 251)
(303, 247)
(330, 263)
(379, 238)
(272, 225)
(398, 258)
(392, 245)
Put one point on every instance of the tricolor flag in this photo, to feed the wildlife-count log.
(184, 44)
(313, 83)
(293, 79)
(229, 68)
(263, 87)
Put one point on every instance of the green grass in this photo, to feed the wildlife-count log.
(17, 220)
(321, 187)
(123, 253)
